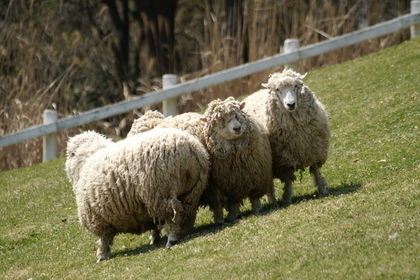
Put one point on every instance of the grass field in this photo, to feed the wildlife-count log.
(367, 228)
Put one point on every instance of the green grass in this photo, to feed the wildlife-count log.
(368, 228)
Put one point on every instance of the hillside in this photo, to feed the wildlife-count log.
(368, 228)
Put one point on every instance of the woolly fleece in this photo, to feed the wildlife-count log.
(240, 167)
(298, 139)
(131, 186)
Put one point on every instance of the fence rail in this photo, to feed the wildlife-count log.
(410, 20)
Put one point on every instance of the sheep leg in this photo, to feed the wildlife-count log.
(271, 196)
(104, 249)
(256, 205)
(319, 180)
(287, 193)
(172, 240)
(154, 236)
(233, 210)
(218, 212)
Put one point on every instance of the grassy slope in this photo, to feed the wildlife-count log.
(369, 227)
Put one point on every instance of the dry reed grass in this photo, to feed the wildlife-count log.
(46, 63)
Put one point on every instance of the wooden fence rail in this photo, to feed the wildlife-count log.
(410, 20)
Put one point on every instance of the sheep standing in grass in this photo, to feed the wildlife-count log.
(150, 181)
(297, 126)
(239, 150)
(240, 155)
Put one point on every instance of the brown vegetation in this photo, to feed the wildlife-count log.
(75, 55)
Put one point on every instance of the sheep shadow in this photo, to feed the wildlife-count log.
(200, 231)
(345, 188)
(144, 248)
(267, 208)
(342, 189)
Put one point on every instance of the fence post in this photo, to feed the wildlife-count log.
(291, 45)
(169, 105)
(49, 141)
(415, 9)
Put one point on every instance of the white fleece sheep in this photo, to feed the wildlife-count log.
(146, 182)
(190, 122)
(149, 120)
(239, 150)
(297, 126)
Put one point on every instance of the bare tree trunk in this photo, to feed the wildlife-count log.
(157, 19)
(121, 21)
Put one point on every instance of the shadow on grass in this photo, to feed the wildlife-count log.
(267, 208)
(139, 250)
(343, 188)
(200, 231)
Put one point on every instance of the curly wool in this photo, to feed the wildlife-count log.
(284, 79)
(298, 139)
(79, 150)
(149, 120)
(132, 185)
(190, 122)
(240, 167)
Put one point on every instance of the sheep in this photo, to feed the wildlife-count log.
(297, 126)
(240, 155)
(149, 120)
(84, 148)
(190, 122)
(150, 181)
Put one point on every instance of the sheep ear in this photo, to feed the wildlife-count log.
(242, 105)
(204, 119)
(265, 85)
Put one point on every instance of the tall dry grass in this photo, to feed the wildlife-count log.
(45, 64)
(264, 26)
(52, 57)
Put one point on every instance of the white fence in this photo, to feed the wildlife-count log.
(410, 20)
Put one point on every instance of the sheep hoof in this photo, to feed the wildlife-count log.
(172, 240)
(270, 199)
(219, 222)
(170, 243)
(286, 203)
(231, 220)
(256, 206)
(154, 238)
(323, 191)
(102, 258)
(102, 254)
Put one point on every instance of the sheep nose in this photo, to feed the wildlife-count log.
(237, 129)
(291, 105)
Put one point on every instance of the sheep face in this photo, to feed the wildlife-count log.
(226, 125)
(288, 97)
(287, 87)
(232, 128)
(226, 118)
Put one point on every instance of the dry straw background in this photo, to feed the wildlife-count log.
(61, 54)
